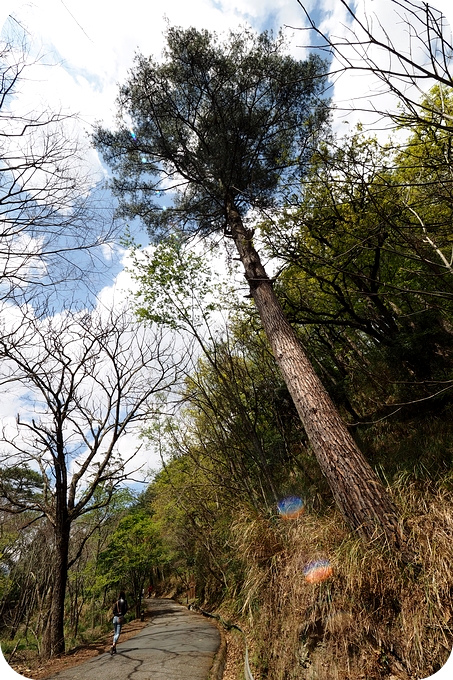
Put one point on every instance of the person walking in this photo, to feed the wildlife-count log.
(119, 612)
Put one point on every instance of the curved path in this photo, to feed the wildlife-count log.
(176, 645)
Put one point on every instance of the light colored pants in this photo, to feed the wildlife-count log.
(116, 629)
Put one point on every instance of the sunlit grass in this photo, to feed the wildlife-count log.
(372, 618)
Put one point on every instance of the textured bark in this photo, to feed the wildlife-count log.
(358, 492)
(57, 641)
(54, 641)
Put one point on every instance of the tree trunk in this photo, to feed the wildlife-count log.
(54, 642)
(54, 635)
(357, 490)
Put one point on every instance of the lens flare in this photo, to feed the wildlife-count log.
(133, 135)
(291, 507)
(318, 571)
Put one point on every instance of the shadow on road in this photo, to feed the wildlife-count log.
(176, 644)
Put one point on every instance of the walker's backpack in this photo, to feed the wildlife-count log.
(120, 609)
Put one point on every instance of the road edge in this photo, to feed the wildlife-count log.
(218, 665)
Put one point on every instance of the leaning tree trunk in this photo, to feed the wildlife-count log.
(358, 492)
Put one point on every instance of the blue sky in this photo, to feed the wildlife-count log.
(84, 49)
(87, 46)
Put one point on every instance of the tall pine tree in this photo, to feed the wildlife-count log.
(229, 126)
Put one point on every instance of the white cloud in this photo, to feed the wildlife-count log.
(138, 351)
(92, 44)
(88, 47)
(359, 96)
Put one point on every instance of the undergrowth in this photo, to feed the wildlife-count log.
(25, 647)
(371, 619)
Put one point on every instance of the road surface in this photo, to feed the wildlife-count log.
(177, 645)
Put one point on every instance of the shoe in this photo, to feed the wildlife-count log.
(112, 650)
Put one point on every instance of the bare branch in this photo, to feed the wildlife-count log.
(408, 71)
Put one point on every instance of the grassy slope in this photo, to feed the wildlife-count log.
(371, 619)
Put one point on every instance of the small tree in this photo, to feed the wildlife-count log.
(229, 126)
(89, 377)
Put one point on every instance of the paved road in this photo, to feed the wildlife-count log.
(177, 645)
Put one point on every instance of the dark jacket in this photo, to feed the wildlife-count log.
(120, 608)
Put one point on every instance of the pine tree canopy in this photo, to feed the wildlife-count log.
(216, 119)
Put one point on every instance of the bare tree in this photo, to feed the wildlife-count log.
(407, 68)
(53, 219)
(88, 379)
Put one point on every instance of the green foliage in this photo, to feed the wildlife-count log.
(236, 446)
(193, 513)
(217, 118)
(368, 277)
(133, 549)
(22, 484)
(176, 286)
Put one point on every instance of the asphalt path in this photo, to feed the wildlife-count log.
(178, 644)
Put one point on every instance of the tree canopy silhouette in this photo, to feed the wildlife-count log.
(214, 121)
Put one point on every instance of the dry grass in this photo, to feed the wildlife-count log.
(371, 619)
